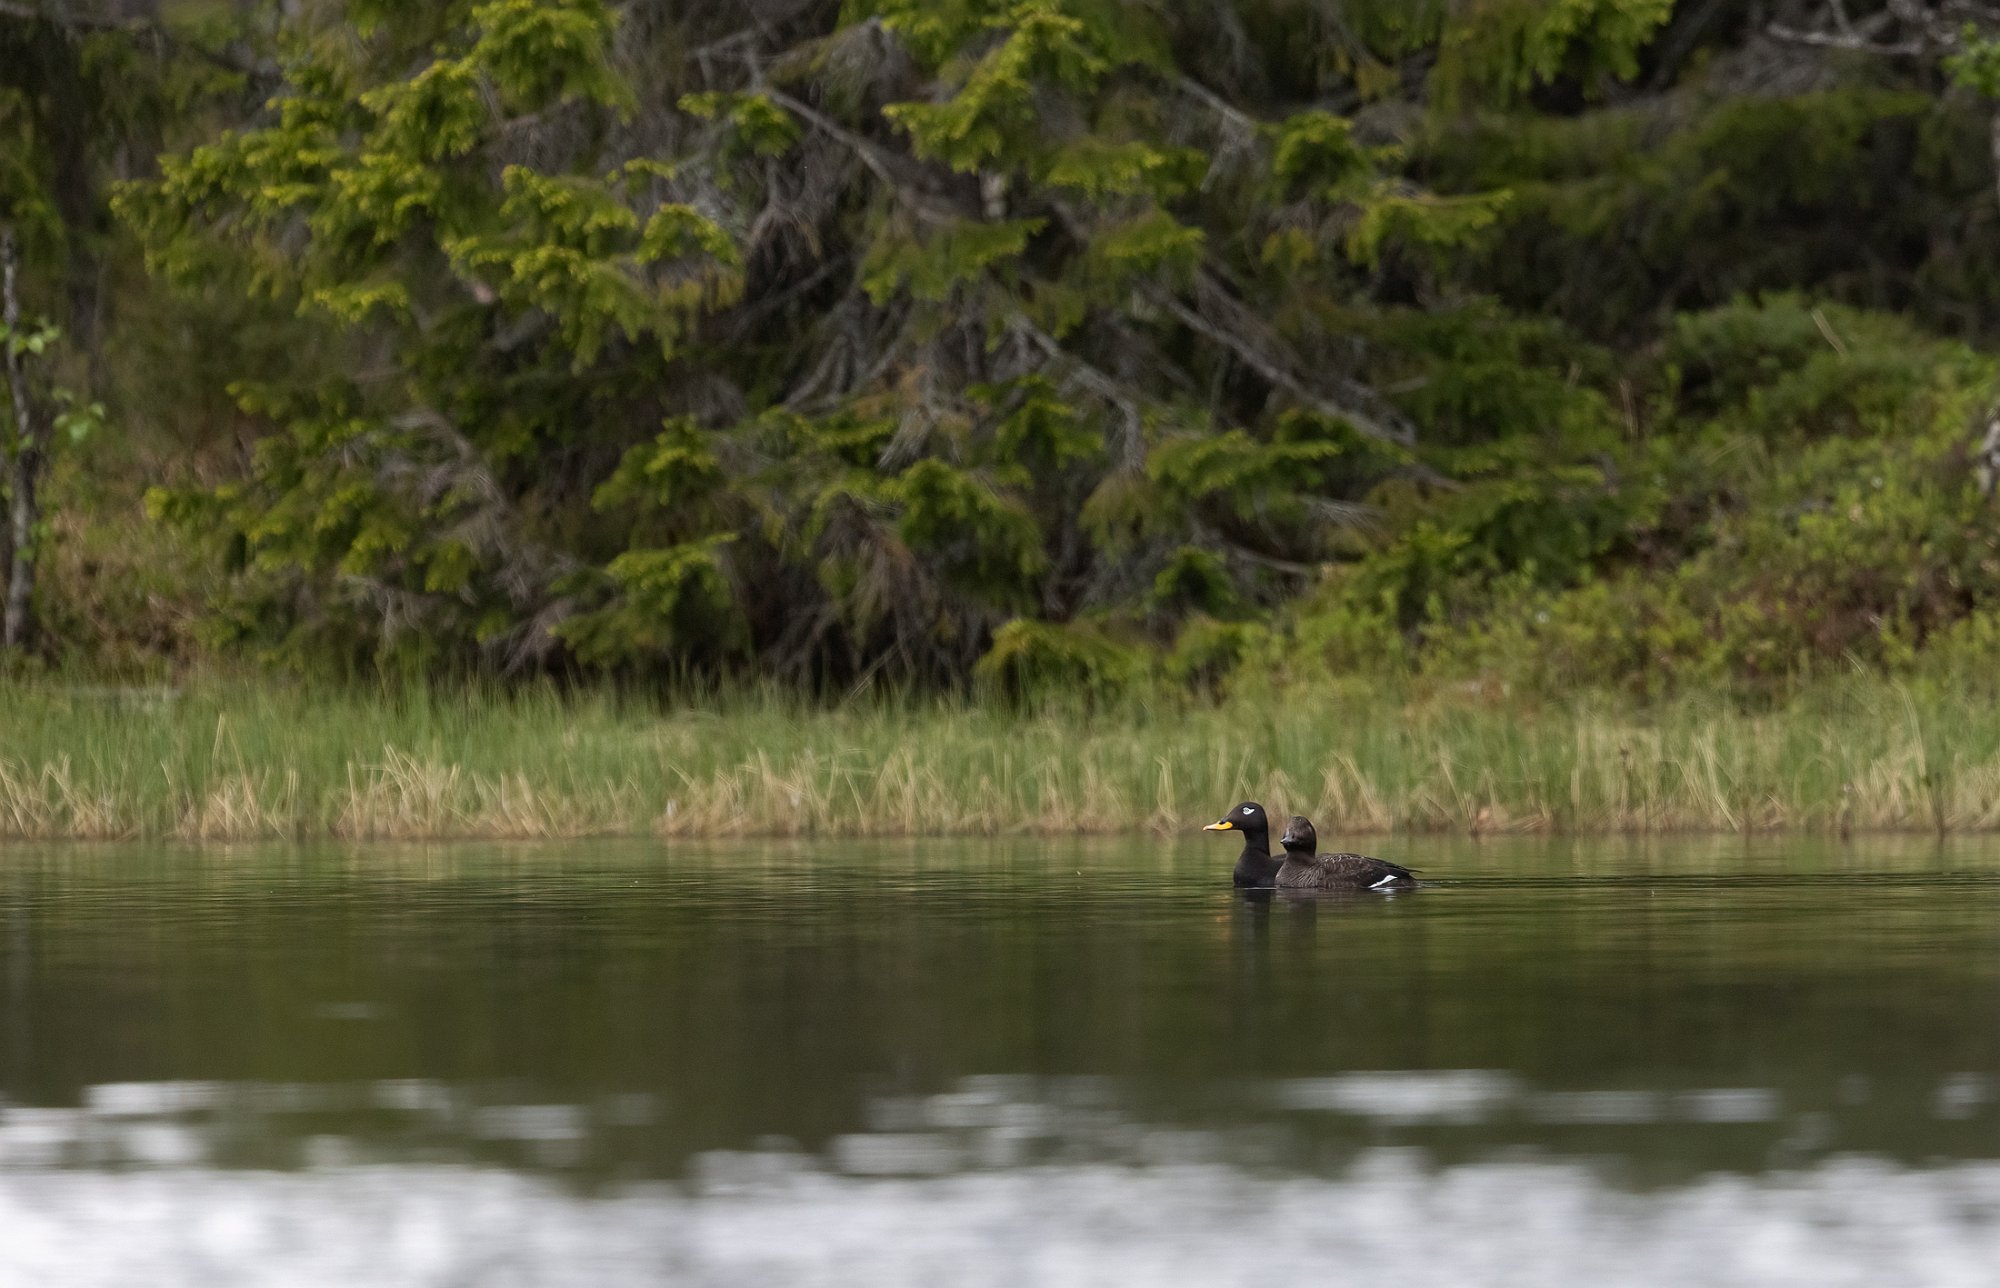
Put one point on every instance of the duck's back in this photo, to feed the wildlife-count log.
(1344, 872)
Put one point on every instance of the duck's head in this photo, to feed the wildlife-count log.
(1247, 817)
(1299, 835)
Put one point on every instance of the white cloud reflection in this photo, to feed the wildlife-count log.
(1392, 1219)
(996, 1181)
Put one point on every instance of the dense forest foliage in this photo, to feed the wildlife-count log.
(1026, 343)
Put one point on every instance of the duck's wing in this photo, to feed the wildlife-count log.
(1365, 871)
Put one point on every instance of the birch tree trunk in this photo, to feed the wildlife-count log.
(25, 458)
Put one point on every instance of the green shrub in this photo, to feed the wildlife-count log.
(1033, 660)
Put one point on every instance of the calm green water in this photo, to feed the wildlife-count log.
(999, 1062)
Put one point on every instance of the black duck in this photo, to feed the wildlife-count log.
(1256, 867)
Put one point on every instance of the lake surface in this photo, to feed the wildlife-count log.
(1727, 1062)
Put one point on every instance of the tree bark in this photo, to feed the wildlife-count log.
(25, 458)
(1993, 147)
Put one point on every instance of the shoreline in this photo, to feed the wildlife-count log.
(11, 839)
(262, 761)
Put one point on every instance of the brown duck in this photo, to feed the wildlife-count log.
(1305, 870)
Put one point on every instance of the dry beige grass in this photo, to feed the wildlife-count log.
(267, 765)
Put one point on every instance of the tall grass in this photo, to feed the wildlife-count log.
(226, 762)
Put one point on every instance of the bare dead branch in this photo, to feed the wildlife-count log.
(1132, 442)
(1217, 104)
(1272, 370)
(880, 162)
(1850, 42)
(1922, 30)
